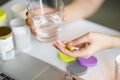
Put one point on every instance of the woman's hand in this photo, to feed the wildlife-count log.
(29, 22)
(88, 44)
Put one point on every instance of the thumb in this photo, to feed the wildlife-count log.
(80, 40)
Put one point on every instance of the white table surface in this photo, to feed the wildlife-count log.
(104, 70)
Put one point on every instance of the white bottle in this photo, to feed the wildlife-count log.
(6, 44)
(21, 35)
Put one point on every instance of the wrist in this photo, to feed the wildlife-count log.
(115, 42)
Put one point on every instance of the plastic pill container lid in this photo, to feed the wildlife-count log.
(2, 15)
(5, 32)
(66, 58)
(76, 69)
(91, 61)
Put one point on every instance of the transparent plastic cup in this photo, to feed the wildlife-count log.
(46, 16)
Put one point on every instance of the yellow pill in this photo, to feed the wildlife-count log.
(71, 48)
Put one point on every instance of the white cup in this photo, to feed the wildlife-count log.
(117, 68)
(19, 10)
(21, 35)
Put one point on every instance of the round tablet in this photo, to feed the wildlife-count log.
(76, 69)
(66, 58)
(91, 61)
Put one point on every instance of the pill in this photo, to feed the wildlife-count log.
(71, 48)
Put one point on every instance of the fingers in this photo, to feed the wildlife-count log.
(64, 17)
(78, 53)
(28, 14)
(29, 22)
(61, 47)
(30, 25)
(33, 31)
(89, 44)
(80, 41)
(58, 44)
(84, 44)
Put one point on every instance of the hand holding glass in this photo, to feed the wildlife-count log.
(46, 16)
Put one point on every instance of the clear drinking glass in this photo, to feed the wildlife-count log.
(46, 16)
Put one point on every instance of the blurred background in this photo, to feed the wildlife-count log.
(108, 14)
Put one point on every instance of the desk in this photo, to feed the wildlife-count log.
(104, 70)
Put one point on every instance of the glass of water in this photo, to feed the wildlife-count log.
(47, 17)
